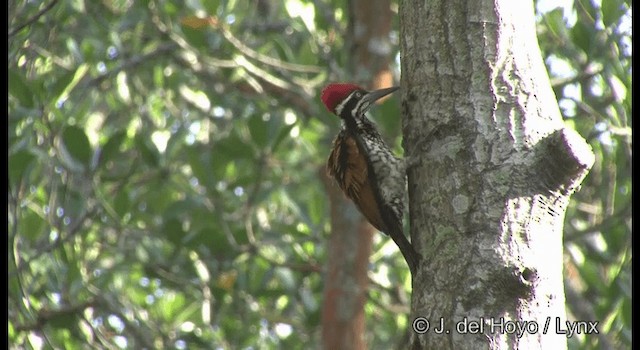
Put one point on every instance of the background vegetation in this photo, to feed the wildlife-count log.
(164, 160)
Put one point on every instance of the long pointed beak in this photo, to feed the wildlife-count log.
(375, 95)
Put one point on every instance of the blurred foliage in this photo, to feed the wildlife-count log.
(163, 172)
(587, 48)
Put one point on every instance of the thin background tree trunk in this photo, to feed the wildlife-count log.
(493, 169)
(346, 279)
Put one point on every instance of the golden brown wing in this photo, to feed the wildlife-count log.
(349, 167)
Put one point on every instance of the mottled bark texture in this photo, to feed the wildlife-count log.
(492, 170)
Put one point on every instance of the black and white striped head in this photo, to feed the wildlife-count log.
(349, 101)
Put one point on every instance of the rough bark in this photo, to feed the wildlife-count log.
(346, 279)
(492, 169)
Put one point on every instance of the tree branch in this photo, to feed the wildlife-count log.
(45, 315)
(33, 18)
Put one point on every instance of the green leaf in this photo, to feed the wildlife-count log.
(172, 230)
(555, 22)
(147, 150)
(180, 208)
(285, 276)
(65, 83)
(626, 310)
(264, 132)
(19, 165)
(76, 144)
(198, 160)
(582, 36)
(282, 135)
(316, 207)
(283, 48)
(122, 203)
(213, 239)
(589, 272)
(612, 10)
(168, 307)
(60, 84)
(112, 147)
(587, 7)
(63, 320)
(20, 89)
(234, 147)
(259, 131)
(32, 226)
(195, 36)
(211, 6)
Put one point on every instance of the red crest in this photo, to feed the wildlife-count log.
(335, 93)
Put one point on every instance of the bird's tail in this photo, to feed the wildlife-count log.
(410, 255)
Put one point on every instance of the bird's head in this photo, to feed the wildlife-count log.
(349, 100)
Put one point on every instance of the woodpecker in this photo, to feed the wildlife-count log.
(364, 166)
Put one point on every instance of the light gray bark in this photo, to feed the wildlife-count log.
(492, 170)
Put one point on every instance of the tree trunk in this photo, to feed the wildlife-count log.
(491, 171)
(346, 279)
